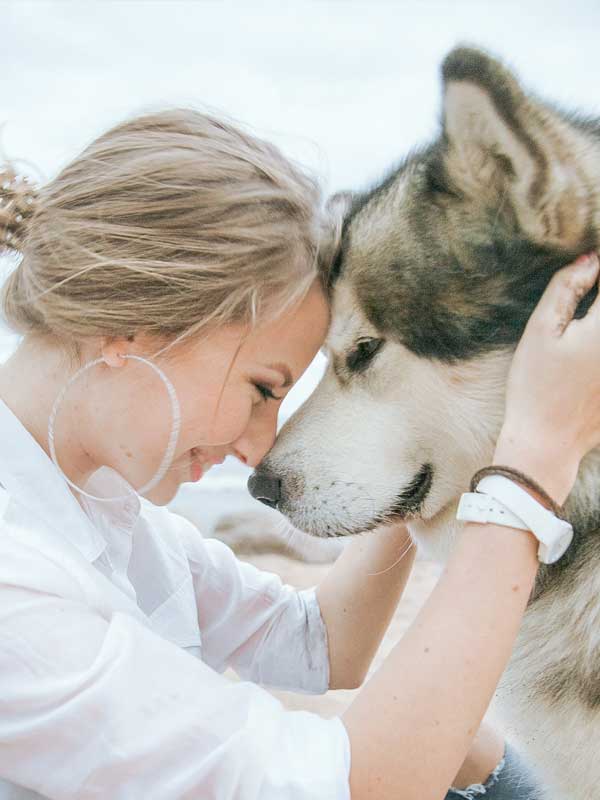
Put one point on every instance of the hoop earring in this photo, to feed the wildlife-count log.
(173, 436)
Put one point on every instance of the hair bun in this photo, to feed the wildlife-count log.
(17, 204)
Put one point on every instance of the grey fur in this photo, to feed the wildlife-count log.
(460, 274)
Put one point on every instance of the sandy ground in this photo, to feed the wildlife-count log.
(302, 575)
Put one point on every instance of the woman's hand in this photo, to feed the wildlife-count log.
(553, 394)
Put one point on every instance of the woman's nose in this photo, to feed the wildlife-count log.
(257, 440)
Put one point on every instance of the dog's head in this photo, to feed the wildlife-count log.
(436, 273)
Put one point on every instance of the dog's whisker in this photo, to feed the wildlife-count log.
(286, 531)
(402, 555)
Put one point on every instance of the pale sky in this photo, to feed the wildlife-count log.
(345, 87)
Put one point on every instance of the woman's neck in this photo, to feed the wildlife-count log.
(30, 381)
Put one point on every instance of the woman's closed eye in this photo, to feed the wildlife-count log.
(266, 392)
(272, 382)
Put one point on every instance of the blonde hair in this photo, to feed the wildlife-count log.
(169, 223)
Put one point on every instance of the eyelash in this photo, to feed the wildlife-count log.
(265, 392)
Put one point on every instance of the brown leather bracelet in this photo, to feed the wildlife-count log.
(524, 480)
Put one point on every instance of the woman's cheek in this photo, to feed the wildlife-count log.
(229, 420)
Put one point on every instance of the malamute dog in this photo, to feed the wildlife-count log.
(437, 271)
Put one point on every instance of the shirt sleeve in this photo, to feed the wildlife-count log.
(94, 707)
(269, 632)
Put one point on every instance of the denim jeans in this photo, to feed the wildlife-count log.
(511, 780)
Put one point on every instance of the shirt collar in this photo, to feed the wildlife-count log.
(32, 479)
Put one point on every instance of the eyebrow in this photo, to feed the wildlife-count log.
(285, 371)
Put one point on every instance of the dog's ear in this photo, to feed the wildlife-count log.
(330, 245)
(513, 152)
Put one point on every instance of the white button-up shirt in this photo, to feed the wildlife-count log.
(116, 622)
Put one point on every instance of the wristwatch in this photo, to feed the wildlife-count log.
(501, 501)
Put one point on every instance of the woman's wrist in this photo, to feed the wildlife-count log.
(554, 470)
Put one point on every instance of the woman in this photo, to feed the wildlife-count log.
(169, 298)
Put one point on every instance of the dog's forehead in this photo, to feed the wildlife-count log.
(348, 320)
(444, 285)
(374, 227)
(394, 241)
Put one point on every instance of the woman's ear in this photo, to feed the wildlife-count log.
(113, 350)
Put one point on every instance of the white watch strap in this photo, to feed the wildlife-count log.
(554, 534)
(478, 507)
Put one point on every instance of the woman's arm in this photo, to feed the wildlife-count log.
(412, 724)
(358, 597)
(95, 704)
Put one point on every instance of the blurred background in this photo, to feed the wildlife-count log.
(346, 88)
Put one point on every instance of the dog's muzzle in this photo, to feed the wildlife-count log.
(265, 488)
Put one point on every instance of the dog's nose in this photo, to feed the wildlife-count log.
(265, 488)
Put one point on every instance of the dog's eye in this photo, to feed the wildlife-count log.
(362, 355)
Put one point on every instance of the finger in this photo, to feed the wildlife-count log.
(564, 292)
(594, 309)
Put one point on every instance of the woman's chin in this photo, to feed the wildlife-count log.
(162, 494)
(166, 490)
